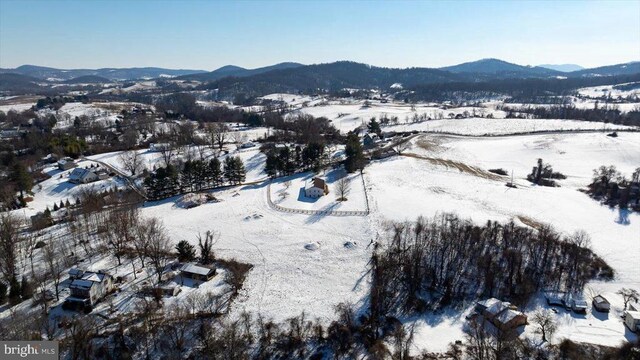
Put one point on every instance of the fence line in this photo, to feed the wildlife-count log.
(317, 212)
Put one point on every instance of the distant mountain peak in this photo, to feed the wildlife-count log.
(562, 67)
(497, 66)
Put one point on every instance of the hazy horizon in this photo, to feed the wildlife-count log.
(208, 35)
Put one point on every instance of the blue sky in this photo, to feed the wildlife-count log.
(209, 34)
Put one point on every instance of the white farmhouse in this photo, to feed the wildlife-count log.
(316, 188)
(82, 176)
(90, 287)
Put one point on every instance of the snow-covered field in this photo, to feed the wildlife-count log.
(484, 126)
(605, 90)
(300, 262)
(348, 115)
(402, 183)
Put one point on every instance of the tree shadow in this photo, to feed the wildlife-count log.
(623, 217)
(321, 214)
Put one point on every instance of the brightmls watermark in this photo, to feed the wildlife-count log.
(30, 350)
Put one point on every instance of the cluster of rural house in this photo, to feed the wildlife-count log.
(87, 288)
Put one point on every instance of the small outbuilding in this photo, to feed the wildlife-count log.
(632, 320)
(197, 272)
(66, 164)
(601, 304)
(316, 188)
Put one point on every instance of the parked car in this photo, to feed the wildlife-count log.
(578, 304)
(601, 304)
(555, 298)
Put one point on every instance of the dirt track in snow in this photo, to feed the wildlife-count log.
(462, 167)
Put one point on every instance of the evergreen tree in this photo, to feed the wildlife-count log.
(61, 205)
(355, 158)
(272, 165)
(22, 178)
(3, 292)
(186, 251)
(14, 291)
(234, 171)
(374, 127)
(26, 290)
(55, 207)
(312, 156)
(215, 172)
(240, 173)
(187, 176)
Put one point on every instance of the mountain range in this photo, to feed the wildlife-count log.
(293, 77)
(53, 74)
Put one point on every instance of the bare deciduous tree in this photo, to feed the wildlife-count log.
(131, 161)
(206, 246)
(168, 152)
(546, 325)
(218, 133)
(57, 260)
(159, 248)
(343, 187)
(628, 295)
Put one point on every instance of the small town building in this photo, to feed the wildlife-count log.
(197, 272)
(82, 176)
(316, 188)
(632, 320)
(66, 164)
(90, 287)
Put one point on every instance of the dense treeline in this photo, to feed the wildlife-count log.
(195, 175)
(607, 114)
(445, 259)
(301, 129)
(286, 160)
(520, 90)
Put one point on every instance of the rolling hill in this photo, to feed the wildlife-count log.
(237, 71)
(48, 73)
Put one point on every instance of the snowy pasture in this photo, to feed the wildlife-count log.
(348, 115)
(300, 262)
(427, 187)
(484, 126)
